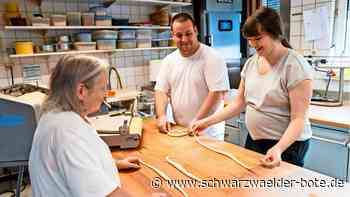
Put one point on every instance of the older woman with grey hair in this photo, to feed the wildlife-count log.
(68, 158)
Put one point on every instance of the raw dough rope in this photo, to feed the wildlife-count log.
(164, 176)
(178, 132)
(182, 169)
(223, 153)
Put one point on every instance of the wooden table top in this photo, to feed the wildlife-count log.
(332, 116)
(210, 166)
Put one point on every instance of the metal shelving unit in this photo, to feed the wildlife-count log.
(82, 27)
(90, 51)
(106, 3)
(151, 2)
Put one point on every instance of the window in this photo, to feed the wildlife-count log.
(279, 5)
(275, 4)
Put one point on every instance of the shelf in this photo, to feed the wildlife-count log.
(81, 27)
(151, 2)
(91, 51)
(108, 3)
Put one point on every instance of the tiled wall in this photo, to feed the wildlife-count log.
(297, 38)
(133, 66)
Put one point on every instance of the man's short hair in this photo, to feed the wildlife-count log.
(182, 17)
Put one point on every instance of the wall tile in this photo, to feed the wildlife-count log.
(130, 64)
(295, 41)
(295, 3)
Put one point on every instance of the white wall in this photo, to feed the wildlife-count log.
(337, 19)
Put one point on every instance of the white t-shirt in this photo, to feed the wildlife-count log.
(68, 158)
(188, 81)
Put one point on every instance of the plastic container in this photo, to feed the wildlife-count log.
(155, 43)
(126, 44)
(9, 15)
(103, 20)
(24, 47)
(40, 21)
(160, 43)
(120, 21)
(88, 19)
(47, 48)
(63, 38)
(161, 17)
(63, 46)
(83, 37)
(144, 34)
(166, 35)
(126, 34)
(74, 18)
(172, 43)
(11, 7)
(163, 43)
(18, 21)
(58, 20)
(11, 51)
(106, 44)
(105, 35)
(144, 43)
(85, 46)
(99, 10)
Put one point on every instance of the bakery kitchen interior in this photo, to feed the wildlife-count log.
(174, 98)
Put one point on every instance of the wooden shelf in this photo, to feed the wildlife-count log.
(151, 2)
(82, 27)
(91, 51)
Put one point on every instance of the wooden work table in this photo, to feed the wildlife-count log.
(331, 116)
(207, 164)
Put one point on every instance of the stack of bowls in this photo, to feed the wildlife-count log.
(105, 39)
(63, 43)
(127, 39)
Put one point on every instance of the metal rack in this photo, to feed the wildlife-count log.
(82, 27)
(87, 52)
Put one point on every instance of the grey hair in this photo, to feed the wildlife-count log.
(65, 78)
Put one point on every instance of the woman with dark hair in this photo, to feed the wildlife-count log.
(68, 158)
(275, 91)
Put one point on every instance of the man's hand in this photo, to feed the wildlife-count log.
(163, 124)
(128, 163)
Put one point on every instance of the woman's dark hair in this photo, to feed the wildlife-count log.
(265, 20)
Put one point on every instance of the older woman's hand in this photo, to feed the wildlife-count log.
(272, 158)
(128, 163)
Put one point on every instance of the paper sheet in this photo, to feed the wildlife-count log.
(316, 26)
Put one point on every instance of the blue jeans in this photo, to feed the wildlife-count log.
(294, 154)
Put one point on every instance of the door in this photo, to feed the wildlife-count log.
(232, 134)
(224, 34)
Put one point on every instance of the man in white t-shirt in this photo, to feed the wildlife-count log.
(193, 78)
